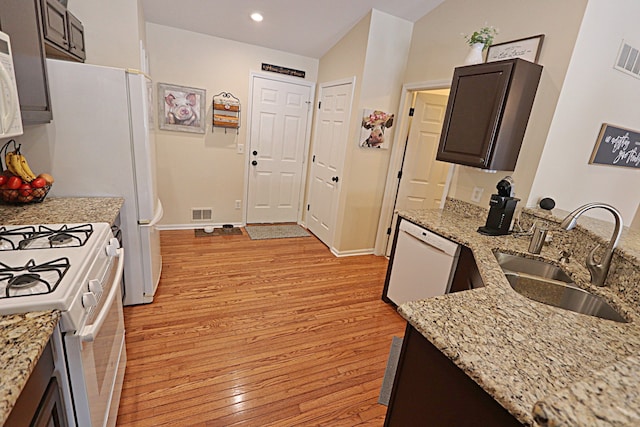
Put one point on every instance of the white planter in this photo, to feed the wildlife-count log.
(475, 54)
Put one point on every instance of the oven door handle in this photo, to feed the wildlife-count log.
(88, 333)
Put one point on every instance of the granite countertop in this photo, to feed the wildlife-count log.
(524, 353)
(55, 210)
(23, 337)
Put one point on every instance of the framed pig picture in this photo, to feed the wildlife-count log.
(181, 108)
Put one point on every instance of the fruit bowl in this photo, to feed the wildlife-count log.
(24, 197)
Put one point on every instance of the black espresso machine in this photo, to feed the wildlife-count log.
(501, 209)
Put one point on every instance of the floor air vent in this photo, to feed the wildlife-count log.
(201, 214)
(628, 59)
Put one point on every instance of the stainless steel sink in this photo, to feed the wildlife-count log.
(546, 283)
(520, 264)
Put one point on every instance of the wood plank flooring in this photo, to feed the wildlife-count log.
(258, 333)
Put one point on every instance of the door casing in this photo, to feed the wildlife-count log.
(307, 138)
(395, 162)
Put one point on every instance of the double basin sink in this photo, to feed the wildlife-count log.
(549, 284)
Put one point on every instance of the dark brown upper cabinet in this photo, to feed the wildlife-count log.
(487, 113)
(21, 20)
(63, 32)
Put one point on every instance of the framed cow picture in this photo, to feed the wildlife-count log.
(181, 108)
(374, 126)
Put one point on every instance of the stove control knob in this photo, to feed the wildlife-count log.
(95, 286)
(112, 247)
(89, 300)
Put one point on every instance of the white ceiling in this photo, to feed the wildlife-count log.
(304, 27)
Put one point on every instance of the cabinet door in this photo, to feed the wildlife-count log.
(21, 20)
(76, 37)
(473, 113)
(54, 16)
(488, 112)
(50, 413)
(430, 390)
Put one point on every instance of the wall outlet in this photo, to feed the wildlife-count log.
(238, 204)
(240, 148)
(476, 195)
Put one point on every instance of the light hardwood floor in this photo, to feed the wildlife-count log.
(258, 333)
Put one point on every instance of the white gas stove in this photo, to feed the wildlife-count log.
(76, 269)
(55, 266)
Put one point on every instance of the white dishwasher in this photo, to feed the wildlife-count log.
(422, 265)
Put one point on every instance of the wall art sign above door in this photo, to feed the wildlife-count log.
(283, 70)
(527, 48)
(617, 147)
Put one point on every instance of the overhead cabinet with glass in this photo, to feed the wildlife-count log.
(487, 113)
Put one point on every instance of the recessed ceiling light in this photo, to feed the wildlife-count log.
(257, 17)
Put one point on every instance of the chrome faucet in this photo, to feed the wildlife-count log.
(598, 271)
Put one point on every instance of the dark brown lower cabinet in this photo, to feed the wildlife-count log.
(430, 390)
(40, 402)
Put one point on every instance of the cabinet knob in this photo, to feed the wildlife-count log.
(334, 179)
(254, 163)
(255, 153)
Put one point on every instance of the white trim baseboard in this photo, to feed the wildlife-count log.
(354, 252)
(194, 226)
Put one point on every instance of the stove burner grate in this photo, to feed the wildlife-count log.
(6, 241)
(36, 278)
(45, 237)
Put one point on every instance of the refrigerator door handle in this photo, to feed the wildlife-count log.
(156, 218)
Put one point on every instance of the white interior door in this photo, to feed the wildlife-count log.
(278, 136)
(331, 137)
(424, 178)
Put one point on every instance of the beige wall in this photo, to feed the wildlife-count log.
(375, 52)
(113, 31)
(594, 93)
(437, 47)
(205, 171)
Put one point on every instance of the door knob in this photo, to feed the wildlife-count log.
(254, 163)
(334, 179)
(255, 153)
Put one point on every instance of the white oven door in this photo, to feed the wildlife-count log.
(95, 354)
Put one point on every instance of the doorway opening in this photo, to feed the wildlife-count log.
(415, 180)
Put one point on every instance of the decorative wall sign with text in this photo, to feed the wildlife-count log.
(527, 48)
(283, 70)
(617, 147)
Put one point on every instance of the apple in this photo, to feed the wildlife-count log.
(14, 183)
(25, 190)
(9, 195)
(46, 177)
(3, 179)
(38, 183)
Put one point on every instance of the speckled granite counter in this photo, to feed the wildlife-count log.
(522, 352)
(63, 210)
(23, 338)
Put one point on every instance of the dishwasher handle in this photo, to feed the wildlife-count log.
(429, 238)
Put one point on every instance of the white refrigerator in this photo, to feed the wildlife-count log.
(100, 143)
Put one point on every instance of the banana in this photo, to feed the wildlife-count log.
(7, 161)
(16, 167)
(26, 168)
